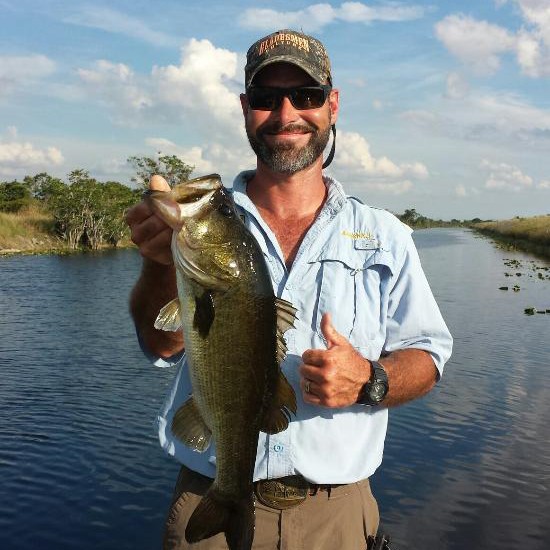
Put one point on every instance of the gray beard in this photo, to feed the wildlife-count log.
(286, 158)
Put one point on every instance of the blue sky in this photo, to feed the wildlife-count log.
(445, 106)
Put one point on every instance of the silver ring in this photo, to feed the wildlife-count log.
(307, 386)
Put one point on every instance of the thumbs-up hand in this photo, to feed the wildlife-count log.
(335, 376)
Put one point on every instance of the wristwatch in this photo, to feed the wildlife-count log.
(374, 391)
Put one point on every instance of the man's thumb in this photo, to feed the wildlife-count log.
(158, 183)
(332, 336)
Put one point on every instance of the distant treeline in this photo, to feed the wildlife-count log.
(90, 213)
(413, 219)
(87, 212)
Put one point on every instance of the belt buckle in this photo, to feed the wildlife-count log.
(282, 493)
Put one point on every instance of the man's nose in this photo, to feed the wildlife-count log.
(286, 111)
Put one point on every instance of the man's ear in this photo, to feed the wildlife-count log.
(334, 105)
(244, 104)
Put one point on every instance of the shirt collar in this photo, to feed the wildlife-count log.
(336, 197)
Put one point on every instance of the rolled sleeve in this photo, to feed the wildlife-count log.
(413, 317)
(157, 361)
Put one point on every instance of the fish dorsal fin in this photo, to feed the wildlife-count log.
(190, 428)
(286, 315)
(169, 317)
(282, 402)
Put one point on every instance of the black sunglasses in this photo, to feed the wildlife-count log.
(268, 98)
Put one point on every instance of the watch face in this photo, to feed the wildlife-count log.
(377, 391)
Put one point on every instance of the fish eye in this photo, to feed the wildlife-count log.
(225, 209)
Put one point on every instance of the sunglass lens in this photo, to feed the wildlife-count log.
(308, 98)
(263, 99)
(302, 97)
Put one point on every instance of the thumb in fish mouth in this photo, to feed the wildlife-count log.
(158, 183)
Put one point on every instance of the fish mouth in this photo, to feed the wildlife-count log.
(185, 200)
(194, 190)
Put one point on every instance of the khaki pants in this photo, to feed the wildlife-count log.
(339, 520)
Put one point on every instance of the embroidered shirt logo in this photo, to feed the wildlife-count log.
(356, 235)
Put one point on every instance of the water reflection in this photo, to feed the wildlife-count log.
(466, 467)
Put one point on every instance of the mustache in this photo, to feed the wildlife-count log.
(277, 127)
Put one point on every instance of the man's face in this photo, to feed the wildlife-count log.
(288, 140)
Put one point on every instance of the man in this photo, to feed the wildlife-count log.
(369, 334)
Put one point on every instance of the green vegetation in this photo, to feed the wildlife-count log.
(43, 213)
(530, 234)
(170, 167)
(417, 221)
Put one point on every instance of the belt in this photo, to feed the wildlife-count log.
(286, 492)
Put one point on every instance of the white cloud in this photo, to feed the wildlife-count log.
(457, 86)
(355, 161)
(23, 70)
(480, 44)
(489, 118)
(464, 192)
(198, 91)
(200, 82)
(21, 155)
(109, 20)
(212, 158)
(116, 85)
(317, 16)
(476, 43)
(505, 177)
(357, 12)
(389, 187)
(544, 184)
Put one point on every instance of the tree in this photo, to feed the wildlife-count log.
(42, 185)
(118, 198)
(409, 217)
(171, 167)
(14, 195)
(90, 213)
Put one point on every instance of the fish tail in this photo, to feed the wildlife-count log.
(216, 514)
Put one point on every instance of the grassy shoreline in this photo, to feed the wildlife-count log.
(31, 231)
(527, 234)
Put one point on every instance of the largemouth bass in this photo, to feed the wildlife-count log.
(233, 329)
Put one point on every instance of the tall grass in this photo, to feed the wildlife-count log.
(30, 228)
(531, 234)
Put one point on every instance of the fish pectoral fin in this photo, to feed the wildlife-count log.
(215, 514)
(169, 317)
(204, 313)
(282, 403)
(190, 428)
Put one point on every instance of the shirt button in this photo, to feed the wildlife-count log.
(277, 448)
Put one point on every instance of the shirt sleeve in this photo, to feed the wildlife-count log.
(413, 318)
(160, 361)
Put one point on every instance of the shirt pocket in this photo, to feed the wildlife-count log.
(353, 282)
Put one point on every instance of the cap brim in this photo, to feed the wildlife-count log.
(301, 64)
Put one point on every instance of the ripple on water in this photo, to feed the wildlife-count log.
(468, 466)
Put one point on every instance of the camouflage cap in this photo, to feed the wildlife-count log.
(289, 46)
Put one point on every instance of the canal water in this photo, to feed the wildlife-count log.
(468, 466)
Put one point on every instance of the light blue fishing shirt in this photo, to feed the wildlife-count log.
(359, 264)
